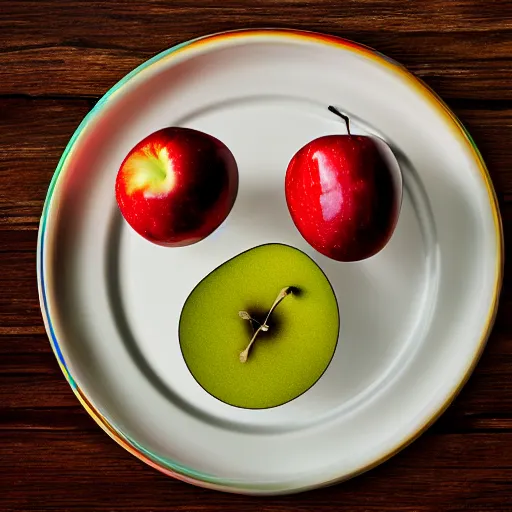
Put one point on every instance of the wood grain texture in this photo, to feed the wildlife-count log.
(461, 48)
(57, 57)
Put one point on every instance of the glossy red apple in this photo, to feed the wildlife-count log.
(177, 186)
(344, 194)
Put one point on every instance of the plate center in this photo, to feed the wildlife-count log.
(383, 301)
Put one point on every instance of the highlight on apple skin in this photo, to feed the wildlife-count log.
(177, 186)
(344, 194)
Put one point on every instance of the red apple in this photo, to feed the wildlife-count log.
(177, 186)
(344, 194)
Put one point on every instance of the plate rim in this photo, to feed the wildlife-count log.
(177, 470)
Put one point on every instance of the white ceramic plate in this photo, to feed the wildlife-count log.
(414, 318)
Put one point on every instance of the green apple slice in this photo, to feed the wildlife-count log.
(286, 359)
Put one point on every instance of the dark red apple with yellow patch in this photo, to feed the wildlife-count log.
(344, 194)
(176, 186)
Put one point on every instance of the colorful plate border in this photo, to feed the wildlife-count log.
(172, 468)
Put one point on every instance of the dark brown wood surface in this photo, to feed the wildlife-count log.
(56, 59)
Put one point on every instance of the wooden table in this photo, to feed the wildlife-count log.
(56, 59)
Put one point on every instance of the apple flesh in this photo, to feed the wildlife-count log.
(344, 194)
(176, 186)
(287, 359)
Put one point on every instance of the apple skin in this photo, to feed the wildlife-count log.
(176, 186)
(344, 194)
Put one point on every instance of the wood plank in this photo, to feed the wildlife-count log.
(116, 25)
(34, 135)
(490, 129)
(18, 240)
(19, 302)
(24, 344)
(474, 66)
(63, 418)
(462, 48)
(21, 391)
(423, 476)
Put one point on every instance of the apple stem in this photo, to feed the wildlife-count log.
(345, 118)
(264, 326)
(245, 316)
